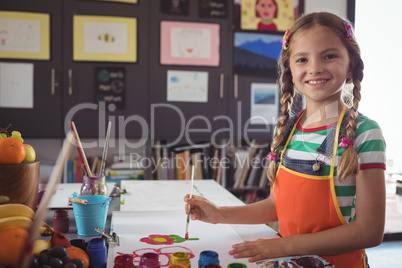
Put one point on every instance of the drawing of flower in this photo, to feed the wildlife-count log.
(157, 239)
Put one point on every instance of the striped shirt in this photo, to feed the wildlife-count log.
(370, 147)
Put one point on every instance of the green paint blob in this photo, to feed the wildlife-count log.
(179, 239)
(122, 201)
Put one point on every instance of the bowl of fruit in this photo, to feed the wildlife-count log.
(19, 170)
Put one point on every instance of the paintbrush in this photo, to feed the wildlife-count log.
(191, 194)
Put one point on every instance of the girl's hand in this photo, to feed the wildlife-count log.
(258, 250)
(202, 209)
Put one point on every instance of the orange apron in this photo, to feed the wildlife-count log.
(308, 204)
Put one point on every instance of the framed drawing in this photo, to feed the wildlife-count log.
(103, 38)
(256, 54)
(266, 15)
(175, 7)
(189, 43)
(24, 35)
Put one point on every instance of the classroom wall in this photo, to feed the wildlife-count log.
(47, 149)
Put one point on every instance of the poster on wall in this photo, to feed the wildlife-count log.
(256, 54)
(187, 86)
(265, 15)
(175, 7)
(264, 103)
(213, 8)
(189, 43)
(111, 86)
(24, 35)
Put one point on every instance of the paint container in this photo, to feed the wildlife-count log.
(208, 257)
(124, 261)
(95, 185)
(181, 258)
(97, 253)
(237, 265)
(149, 260)
(91, 215)
(212, 266)
(61, 221)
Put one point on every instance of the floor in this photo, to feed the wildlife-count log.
(389, 253)
(386, 255)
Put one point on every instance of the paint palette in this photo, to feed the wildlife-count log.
(311, 261)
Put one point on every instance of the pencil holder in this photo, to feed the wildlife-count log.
(91, 215)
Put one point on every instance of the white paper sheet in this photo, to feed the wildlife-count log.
(264, 104)
(187, 86)
(168, 195)
(132, 226)
(16, 85)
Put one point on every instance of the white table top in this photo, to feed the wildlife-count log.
(157, 207)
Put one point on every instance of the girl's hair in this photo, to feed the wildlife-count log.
(348, 165)
(257, 14)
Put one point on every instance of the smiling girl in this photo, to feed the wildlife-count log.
(327, 163)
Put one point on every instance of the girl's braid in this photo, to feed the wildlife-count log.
(349, 165)
(288, 93)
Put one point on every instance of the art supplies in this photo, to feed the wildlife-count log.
(105, 147)
(81, 152)
(191, 194)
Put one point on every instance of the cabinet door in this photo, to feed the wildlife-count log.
(44, 119)
(177, 120)
(79, 103)
(240, 108)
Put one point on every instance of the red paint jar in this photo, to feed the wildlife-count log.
(61, 221)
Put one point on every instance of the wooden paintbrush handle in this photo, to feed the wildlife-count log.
(78, 201)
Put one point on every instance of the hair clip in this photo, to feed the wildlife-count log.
(285, 44)
(349, 31)
(345, 143)
(272, 157)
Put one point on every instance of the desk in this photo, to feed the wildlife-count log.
(158, 206)
(149, 200)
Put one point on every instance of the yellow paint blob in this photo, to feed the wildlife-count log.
(160, 239)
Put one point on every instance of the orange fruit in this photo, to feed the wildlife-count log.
(12, 151)
(12, 242)
(77, 253)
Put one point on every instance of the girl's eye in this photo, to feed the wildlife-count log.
(330, 56)
(301, 60)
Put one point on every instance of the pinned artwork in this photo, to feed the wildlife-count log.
(186, 86)
(188, 43)
(102, 38)
(265, 15)
(24, 35)
(256, 54)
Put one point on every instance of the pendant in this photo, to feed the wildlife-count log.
(316, 166)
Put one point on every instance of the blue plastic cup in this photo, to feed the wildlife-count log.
(91, 215)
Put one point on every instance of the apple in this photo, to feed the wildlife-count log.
(30, 154)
